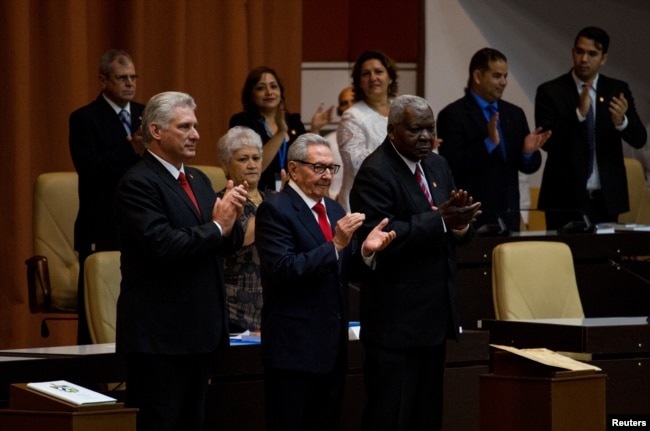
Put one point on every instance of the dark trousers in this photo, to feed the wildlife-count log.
(299, 401)
(404, 388)
(169, 391)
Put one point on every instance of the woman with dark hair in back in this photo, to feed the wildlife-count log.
(265, 112)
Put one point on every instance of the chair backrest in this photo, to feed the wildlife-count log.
(536, 219)
(534, 280)
(638, 194)
(55, 208)
(102, 277)
(216, 175)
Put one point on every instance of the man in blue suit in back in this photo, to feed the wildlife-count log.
(487, 142)
(303, 238)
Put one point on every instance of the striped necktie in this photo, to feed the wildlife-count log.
(423, 185)
(126, 121)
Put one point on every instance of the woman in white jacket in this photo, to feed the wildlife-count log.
(363, 125)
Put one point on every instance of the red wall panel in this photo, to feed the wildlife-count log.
(339, 30)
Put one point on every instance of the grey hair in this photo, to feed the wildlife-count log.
(106, 61)
(160, 110)
(399, 104)
(234, 139)
(298, 150)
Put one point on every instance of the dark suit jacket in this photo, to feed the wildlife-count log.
(305, 312)
(487, 177)
(101, 155)
(565, 175)
(172, 293)
(408, 299)
(252, 121)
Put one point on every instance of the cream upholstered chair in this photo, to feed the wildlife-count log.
(536, 219)
(102, 277)
(53, 271)
(216, 175)
(534, 280)
(638, 194)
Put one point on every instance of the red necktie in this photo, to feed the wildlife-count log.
(322, 221)
(188, 190)
(423, 185)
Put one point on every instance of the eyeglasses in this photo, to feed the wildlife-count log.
(319, 168)
(125, 78)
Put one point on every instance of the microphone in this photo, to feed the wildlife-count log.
(638, 276)
(584, 226)
(573, 226)
(500, 228)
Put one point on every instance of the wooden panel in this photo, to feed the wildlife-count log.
(339, 30)
(520, 403)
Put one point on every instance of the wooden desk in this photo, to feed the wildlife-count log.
(235, 395)
(605, 291)
(89, 365)
(237, 389)
(620, 347)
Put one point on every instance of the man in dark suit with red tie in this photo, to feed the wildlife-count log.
(487, 142)
(408, 302)
(171, 312)
(584, 172)
(303, 238)
(103, 147)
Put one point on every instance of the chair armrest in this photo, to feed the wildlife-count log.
(38, 284)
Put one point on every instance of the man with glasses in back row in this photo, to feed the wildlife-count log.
(104, 143)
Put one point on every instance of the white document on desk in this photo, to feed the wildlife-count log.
(66, 391)
(548, 357)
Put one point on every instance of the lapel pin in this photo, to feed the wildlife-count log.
(434, 184)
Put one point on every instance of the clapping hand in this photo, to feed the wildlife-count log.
(459, 210)
(377, 239)
(137, 143)
(345, 228)
(321, 118)
(535, 140)
(618, 108)
(228, 209)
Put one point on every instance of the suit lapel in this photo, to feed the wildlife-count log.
(407, 179)
(305, 215)
(474, 112)
(173, 184)
(603, 94)
(203, 198)
(433, 178)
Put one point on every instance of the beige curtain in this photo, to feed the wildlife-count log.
(50, 51)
